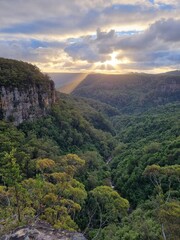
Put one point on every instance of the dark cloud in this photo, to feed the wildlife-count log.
(168, 30)
(160, 31)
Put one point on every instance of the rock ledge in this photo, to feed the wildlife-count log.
(42, 231)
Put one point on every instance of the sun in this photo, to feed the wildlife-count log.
(113, 65)
(113, 61)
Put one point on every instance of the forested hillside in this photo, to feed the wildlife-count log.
(107, 165)
(131, 93)
(144, 164)
(145, 139)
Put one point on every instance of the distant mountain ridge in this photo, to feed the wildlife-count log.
(173, 73)
(68, 82)
(131, 92)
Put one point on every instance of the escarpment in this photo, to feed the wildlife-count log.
(25, 92)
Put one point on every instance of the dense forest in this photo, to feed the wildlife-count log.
(104, 161)
(131, 93)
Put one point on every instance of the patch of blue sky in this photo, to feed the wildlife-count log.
(174, 56)
(124, 7)
(32, 27)
(151, 1)
(75, 40)
(125, 33)
(31, 43)
(34, 43)
(163, 6)
(167, 7)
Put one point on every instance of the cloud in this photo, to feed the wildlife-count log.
(30, 50)
(79, 16)
(93, 49)
(162, 31)
(156, 46)
(66, 35)
(168, 30)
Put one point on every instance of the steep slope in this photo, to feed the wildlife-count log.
(25, 93)
(40, 171)
(72, 128)
(147, 137)
(144, 139)
(131, 92)
(74, 166)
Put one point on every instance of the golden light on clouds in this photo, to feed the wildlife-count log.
(115, 64)
(92, 35)
(113, 60)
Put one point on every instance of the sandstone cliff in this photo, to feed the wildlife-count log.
(25, 93)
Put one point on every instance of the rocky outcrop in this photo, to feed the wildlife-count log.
(42, 231)
(29, 103)
(25, 92)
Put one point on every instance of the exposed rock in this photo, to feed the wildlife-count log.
(18, 105)
(25, 92)
(42, 231)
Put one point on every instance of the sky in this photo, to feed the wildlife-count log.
(106, 36)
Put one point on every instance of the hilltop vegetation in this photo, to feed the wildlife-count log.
(107, 164)
(20, 74)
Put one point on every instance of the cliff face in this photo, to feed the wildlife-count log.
(27, 99)
(18, 105)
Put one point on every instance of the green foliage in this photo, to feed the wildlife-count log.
(103, 194)
(168, 206)
(61, 168)
(146, 139)
(95, 171)
(28, 148)
(71, 164)
(130, 92)
(106, 205)
(19, 74)
(70, 130)
(10, 172)
(11, 177)
(44, 164)
(140, 225)
(56, 202)
(169, 215)
(95, 112)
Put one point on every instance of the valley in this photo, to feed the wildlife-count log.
(103, 160)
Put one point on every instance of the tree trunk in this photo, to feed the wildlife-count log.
(163, 232)
(18, 205)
